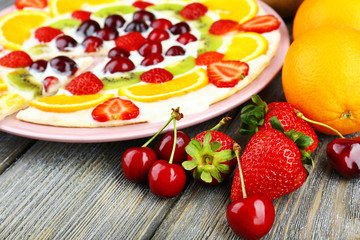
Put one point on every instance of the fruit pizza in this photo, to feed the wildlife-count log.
(123, 62)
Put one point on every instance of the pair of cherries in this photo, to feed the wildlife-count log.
(162, 168)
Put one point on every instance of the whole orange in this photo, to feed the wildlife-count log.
(315, 13)
(321, 77)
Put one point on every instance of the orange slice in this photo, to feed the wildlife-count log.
(153, 92)
(246, 46)
(16, 27)
(3, 86)
(58, 7)
(237, 10)
(64, 104)
(10, 103)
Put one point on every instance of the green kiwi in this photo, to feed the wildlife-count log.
(103, 13)
(122, 80)
(65, 23)
(209, 42)
(173, 7)
(203, 24)
(182, 66)
(39, 49)
(21, 79)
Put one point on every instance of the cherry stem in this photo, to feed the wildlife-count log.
(174, 144)
(223, 121)
(237, 149)
(301, 115)
(175, 115)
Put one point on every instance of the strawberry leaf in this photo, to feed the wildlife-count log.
(206, 177)
(189, 165)
(223, 156)
(223, 168)
(252, 116)
(194, 148)
(275, 124)
(215, 174)
(215, 146)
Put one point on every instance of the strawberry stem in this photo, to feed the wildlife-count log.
(301, 115)
(175, 115)
(174, 144)
(237, 148)
(223, 121)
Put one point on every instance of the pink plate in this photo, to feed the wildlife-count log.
(89, 135)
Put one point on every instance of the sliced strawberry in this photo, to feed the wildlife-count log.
(46, 34)
(81, 15)
(156, 75)
(85, 84)
(142, 4)
(115, 109)
(193, 11)
(223, 26)
(131, 41)
(16, 59)
(20, 4)
(261, 24)
(227, 73)
(49, 81)
(207, 58)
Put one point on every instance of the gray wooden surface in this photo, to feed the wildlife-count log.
(77, 191)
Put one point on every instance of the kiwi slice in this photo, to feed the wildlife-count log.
(65, 23)
(103, 13)
(122, 80)
(22, 80)
(39, 49)
(182, 66)
(203, 24)
(209, 42)
(175, 8)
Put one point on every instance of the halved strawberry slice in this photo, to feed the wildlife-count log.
(142, 4)
(16, 59)
(115, 109)
(261, 24)
(207, 58)
(225, 74)
(156, 75)
(193, 11)
(81, 15)
(223, 26)
(20, 4)
(46, 34)
(85, 84)
(131, 41)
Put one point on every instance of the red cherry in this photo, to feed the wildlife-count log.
(158, 35)
(65, 43)
(49, 81)
(164, 147)
(150, 47)
(152, 59)
(161, 23)
(92, 44)
(251, 217)
(344, 156)
(114, 21)
(180, 28)
(175, 51)
(107, 34)
(136, 163)
(166, 180)
(118, 52)
(39, 65)
(143, 15)
(185, 38)
(119, 64)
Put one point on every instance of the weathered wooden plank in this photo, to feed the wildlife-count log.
(11, 147)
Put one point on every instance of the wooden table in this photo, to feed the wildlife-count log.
(52, 190)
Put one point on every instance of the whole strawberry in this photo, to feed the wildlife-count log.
(257, 117)
(210, 156)
(272, 163)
